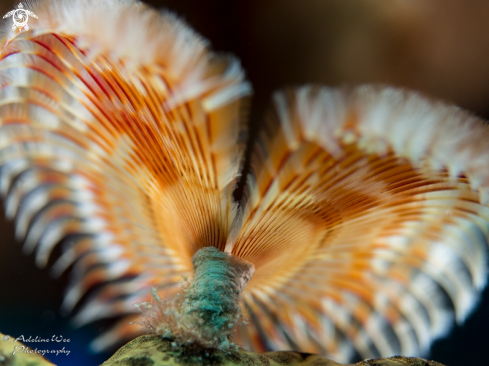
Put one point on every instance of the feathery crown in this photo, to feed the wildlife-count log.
(365, 215)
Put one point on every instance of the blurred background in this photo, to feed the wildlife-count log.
(439, 47)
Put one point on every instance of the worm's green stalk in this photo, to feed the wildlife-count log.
(208, 310)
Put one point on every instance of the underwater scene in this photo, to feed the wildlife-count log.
(244, 182)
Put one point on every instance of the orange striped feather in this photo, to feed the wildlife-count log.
(364, 224)
(130, 161)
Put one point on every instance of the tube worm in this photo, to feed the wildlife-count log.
(364, 215)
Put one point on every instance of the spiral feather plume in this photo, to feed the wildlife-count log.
(365, 213)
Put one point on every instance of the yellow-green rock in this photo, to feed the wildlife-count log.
(152, 350)
(15, 353)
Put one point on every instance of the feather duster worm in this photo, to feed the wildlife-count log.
(364, 215)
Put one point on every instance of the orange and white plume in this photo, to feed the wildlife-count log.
(121, 139)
